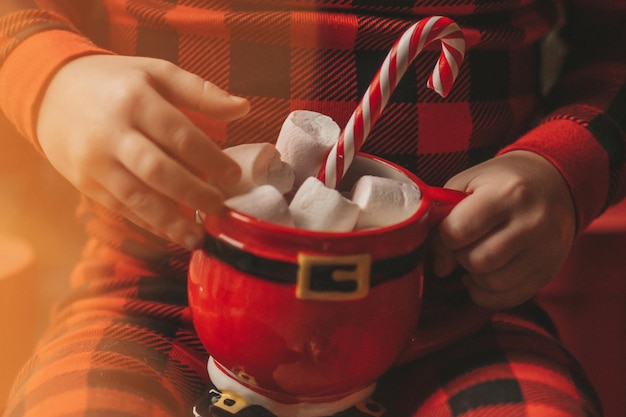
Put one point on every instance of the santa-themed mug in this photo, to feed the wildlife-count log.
(304, 322)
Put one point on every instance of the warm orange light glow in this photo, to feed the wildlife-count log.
(40, 236)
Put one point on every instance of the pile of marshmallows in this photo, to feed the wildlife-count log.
(272, 173)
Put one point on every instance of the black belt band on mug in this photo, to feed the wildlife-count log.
(380, 270)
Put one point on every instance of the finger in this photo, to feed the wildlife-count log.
(495, 250)
(148, 208)
(107, 200)
(472, 219)
(100, 195)
(500, 300)
(158, 171)
(507, 287)
(507, 277)
(174, 132)
(190, 91)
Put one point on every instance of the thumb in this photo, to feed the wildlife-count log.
(443, 258)
(189, 91)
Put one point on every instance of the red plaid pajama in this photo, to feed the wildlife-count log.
(121, 343)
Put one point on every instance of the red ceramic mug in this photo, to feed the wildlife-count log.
(300, 320)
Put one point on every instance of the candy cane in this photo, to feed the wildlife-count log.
(403, 52)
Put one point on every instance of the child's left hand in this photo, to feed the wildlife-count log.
(513, 231)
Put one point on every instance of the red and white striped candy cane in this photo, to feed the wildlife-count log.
(403, 52)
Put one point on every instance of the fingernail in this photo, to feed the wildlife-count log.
(238, 99)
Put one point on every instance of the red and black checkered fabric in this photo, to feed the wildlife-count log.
(121, 343)
(514, 366)
(321, 55)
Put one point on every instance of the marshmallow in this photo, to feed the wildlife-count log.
(264, 202)
(316, 207)
(384, 201)
(305, 140)
(260, 164)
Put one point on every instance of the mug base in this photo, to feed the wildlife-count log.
(217, 404)
(234, 396)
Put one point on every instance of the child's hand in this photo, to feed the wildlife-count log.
(512, 232)
(111, 126)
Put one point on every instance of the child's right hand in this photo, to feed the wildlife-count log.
(110, 125)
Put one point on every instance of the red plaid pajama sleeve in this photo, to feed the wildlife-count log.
(121, 342)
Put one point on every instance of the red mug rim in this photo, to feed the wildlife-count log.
(267, 227)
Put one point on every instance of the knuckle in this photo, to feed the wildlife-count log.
(150, 168)
(481, 262)
(180, 139)
(85, 156)
(139, 201)
(542, 213)
(136, 199)
(518, 191)
(126, 92)
(163, 66)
